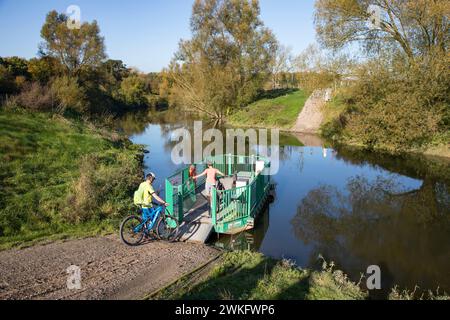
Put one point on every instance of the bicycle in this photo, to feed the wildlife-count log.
(134, 228)
(220, 189)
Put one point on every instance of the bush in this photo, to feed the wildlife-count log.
(103, 189)
(82, 200)
(69, 94)
(400, 107)
(7, 84)
(35, 97)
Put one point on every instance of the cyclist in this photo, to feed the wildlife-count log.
(145, 194)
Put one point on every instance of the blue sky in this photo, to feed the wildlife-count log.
(144, 34)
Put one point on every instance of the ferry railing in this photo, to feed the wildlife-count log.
(226, 205)
(230, 205)
(238, 203)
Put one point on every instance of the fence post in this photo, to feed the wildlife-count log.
(214, 206)
(180, 204)
(169, 198)
(249, 199)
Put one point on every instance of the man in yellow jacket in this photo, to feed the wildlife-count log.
(145, 194)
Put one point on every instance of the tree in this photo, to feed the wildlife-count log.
(76, 49)
(319, 69)
(399, 100)
(115, 69)
(16, 66)
(7, 85)
(133, 90)
(228, 59)
(283, 63)
(43, 69)
(414, 27)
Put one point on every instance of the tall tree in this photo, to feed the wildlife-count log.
(282, 65)
(416, 27)
(75, 48)
(228, 59)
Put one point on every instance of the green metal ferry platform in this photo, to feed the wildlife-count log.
(248, 189)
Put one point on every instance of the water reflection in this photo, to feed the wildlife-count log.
(381, 222)
(247, 240)
(355, 208)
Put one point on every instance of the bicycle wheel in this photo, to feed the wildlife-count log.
(167, 229)
(132, 230)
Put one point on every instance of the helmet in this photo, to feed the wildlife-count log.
(151, 175)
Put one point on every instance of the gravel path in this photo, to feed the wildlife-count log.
(310, 119)
(109, 269)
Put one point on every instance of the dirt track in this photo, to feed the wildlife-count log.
(310, 119)
(109, 269)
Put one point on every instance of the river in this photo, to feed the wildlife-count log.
(353, 208)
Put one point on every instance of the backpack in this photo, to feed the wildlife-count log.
(139, 196)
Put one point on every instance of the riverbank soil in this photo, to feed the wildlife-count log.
(109, 269)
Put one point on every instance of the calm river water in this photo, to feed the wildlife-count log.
(353, 208)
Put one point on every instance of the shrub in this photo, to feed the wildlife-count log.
(69, 94)
(83, 197)
(35, 97)
(400, 107)
(7, 84)
(104, 188)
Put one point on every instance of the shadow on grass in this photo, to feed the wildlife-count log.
(275, 93)
(265, 280)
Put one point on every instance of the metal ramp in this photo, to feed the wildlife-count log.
(197, 225)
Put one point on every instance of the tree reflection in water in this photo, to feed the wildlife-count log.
(379, 222)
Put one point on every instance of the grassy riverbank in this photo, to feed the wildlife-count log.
(245, 275)
(62, 178)
(276, 109)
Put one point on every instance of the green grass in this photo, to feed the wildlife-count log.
(331, 127)
(245, 275)
(333, 109)
(61, 177)
(272, 112)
